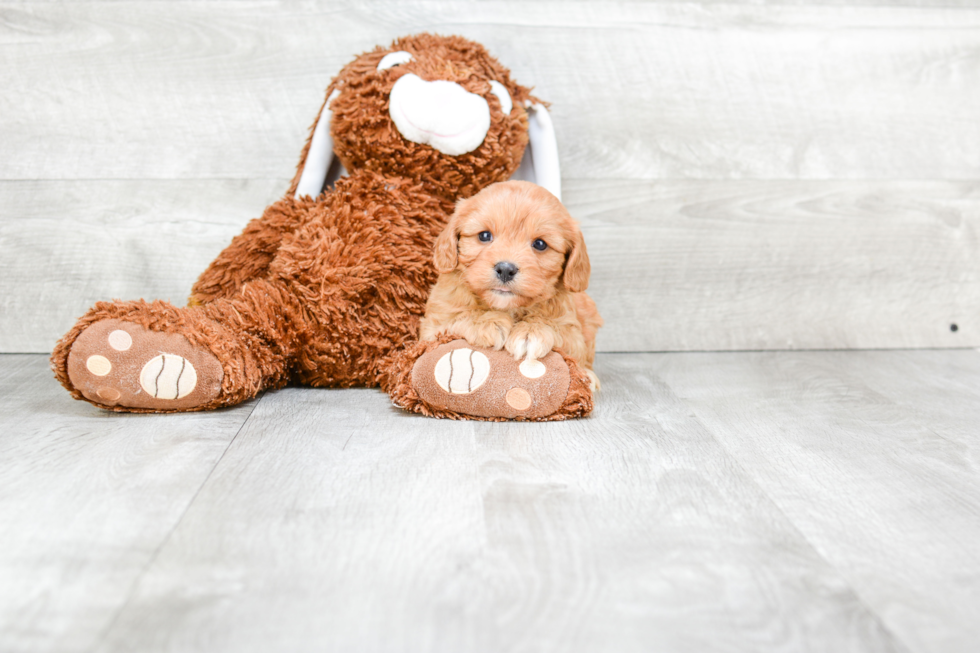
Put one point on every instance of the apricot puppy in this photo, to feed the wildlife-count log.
(513, 270)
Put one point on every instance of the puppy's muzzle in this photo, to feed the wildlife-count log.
(505, 271)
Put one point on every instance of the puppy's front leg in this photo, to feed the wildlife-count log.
(531, 338)
(481, 329)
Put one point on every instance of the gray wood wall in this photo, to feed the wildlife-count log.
(764, 176)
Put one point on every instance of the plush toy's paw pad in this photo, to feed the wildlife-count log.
(116, 363)
(487, 383)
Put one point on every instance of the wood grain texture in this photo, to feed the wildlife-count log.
(782, 265)
(874, 457)
(639, 90)
(86, 499)
(714, 502)
(69, 244)
(336, 522)
(149, 133)
(677, 265)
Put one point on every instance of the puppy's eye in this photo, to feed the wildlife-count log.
(485, 236)
(539, 245)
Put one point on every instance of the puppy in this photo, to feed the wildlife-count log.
(513, 270)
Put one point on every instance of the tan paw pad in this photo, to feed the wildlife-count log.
(457, 377)
(120, 340)
(462, 371)
(518, 399)
(532, 369)
(122, 364)
(109, 394)
(168, 376)
(98, 365)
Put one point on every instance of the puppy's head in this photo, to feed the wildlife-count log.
(515, 245)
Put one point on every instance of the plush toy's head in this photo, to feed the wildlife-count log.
(435, 108)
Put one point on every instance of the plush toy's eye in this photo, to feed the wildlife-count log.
(393, 59)
(485, 236)
(539, 245)
(506, 104)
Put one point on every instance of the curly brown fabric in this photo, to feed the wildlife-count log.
(325, 290)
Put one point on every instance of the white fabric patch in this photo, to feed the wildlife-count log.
(532, 369)
(441, 114)
(506, 104)
(120, 340)
(320, 155)
(544, 146)
(168, 376)
(462, 371)
(393, 59)
(540, 162)
(98, 365)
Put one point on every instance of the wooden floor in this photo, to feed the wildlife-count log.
(797, 501)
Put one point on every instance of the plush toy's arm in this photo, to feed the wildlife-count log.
(249, 254)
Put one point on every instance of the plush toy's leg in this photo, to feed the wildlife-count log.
(450, 378)
(248, 256)
(154, 357)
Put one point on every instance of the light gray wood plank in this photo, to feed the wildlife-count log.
(639, 90)
(939, 388)
(68, 244)
(932, 4)
(782, 264)
(929, 4)
(678, 265)
(337, 523)
(878, 471)
(86, 499)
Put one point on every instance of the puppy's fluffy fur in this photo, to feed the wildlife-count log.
(543, 305)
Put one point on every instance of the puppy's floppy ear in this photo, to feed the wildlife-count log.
(577, 266)
(446, 253)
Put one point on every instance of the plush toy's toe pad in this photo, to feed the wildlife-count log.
(485, 383)
(116, 363)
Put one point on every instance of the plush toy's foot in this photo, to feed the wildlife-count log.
(117, 364)
(451, 378)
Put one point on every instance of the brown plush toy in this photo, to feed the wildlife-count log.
(327, 288)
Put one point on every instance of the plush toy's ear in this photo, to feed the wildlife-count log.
(446, 251)
(320, 155)
(577, 266)
(540, 162)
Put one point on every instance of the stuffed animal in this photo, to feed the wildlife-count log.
(327, 288)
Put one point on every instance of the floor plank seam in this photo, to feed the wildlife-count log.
(166, 538)
(695, 413)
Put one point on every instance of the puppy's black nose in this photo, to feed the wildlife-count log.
(505, 271)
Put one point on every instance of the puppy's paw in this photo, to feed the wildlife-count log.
(594, 384)
(488, 330)
(531, 340)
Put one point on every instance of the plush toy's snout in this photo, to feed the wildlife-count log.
(449, 112)
(441, 114)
